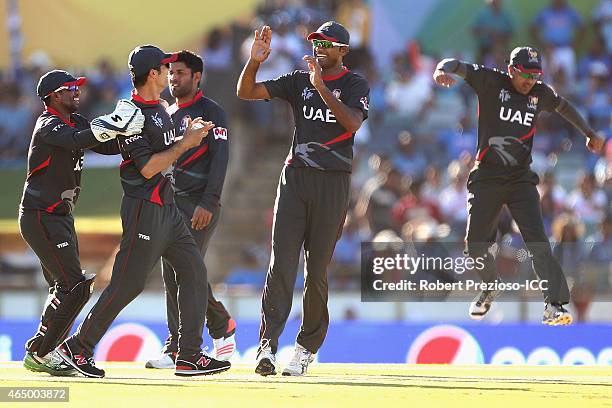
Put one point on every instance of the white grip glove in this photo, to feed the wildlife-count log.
(126, 120)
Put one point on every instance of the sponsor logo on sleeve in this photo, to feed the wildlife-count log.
(220, 133)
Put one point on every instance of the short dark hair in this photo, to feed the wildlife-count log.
(140, 80)
(192, 60)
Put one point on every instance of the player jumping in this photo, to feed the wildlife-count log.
(509, 103)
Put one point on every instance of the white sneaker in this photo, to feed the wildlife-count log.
(166, 360)
(482, 303)
(266, 361)
(224, 347)
(298, 365)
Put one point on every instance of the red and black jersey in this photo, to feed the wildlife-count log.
(506, 118)
(157, 135)
(55, 161)
(200, 172)
(319, 141)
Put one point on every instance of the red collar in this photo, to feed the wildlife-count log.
(334, 77)
(195, 98)
(59, 115)
(138, 98)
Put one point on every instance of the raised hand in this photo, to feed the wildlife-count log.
(260, 49)
(443, 79)
(315, 71)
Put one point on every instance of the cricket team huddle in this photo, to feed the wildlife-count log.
(174, 160)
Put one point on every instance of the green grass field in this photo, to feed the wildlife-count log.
(337, 385)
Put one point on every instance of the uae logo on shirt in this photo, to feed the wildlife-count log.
(532, 102)
(504, 95)
(157, 120)
(307, 93)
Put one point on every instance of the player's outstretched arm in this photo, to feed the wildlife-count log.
(446, 67)
(594, 142)
(196, 131)
(247, 87)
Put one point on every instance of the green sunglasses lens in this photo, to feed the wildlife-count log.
(322, 43)
(528, 76)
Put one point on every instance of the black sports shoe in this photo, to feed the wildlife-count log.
(199, 364)
(266, 361)
(75, 355)
(556, 315)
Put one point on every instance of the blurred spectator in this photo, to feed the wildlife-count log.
(249, 272)
(588, 201)
(406, 159)
(492, 25)
(409, 91)
(596, 53)
(354, 15)
(552, 198)
(346, 261)
(378, 197)
(567, 237)
(602, 17)
(415, 208)
(557, 28)
(15, 121)
(453, 198)
(597, 99)
(219, 68)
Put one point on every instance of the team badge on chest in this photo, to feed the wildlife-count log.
(532, 102)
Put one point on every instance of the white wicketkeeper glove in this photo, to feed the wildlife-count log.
(126, 120)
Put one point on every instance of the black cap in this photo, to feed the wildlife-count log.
(526, 59)
(331, 31)
(55, 79)
(146, 57)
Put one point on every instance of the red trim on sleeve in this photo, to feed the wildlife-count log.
(52, 111)
(138, 98)
(194, 156)
(345, 71)
(481, 155)
(196, 98)
(125, 163)
(39, 167)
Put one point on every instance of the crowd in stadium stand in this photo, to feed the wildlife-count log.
(413, 155)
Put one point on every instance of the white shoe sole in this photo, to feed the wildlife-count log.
(159, 366)
(290, 373)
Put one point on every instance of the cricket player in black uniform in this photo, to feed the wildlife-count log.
(329, 105)
(509, 103)
(152, 228)
(197, 181)
(51, 190)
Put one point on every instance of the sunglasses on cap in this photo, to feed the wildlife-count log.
(327, 44)
(71, 88)
(528, 75)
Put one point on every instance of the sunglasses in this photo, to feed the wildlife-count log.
(327, 44)
(71, 88)
(527, 75)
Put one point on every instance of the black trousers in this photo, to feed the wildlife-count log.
(217, 317)
(309, 211)
(151, 231)
(488, 192)
(53, 238)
